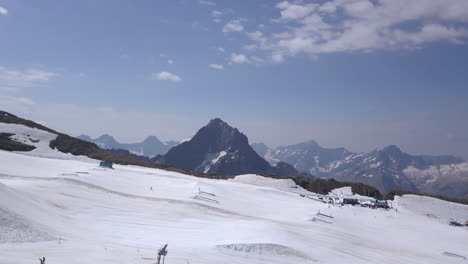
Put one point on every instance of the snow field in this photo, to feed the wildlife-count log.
(71, 211)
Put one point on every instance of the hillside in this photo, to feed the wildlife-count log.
(57, 208)
(20, 134)
(30, 138)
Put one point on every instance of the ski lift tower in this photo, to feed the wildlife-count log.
(162, 252)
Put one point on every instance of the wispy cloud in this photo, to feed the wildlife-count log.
(166, 76)
(216, 66)
(359, 26)
(239, 58)
(235, 25)
(3, 11)
(216, 16)
(11, 79)
(216, 13)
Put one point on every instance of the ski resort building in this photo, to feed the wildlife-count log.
(105, 164)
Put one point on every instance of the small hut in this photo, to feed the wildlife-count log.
(381, 204)
(351, 201)
(105, 164)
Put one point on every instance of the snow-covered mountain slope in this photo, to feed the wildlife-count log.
(149, 147)
(73, 211)
(386, 169)
(38, 138)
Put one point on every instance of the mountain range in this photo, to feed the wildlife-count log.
(149, 147)
(386, 169)
(26, 136)
(219, 150)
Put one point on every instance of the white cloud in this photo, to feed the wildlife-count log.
(216, 16)
(17, 79)
(359, 26)
(239, 58)
(26, 75)
(290, 11)
(166, 76)
(170, 62)
(235, 25)
(3, 11)
(206, 2)
(220, 49)
(216, 13)
(216, 66)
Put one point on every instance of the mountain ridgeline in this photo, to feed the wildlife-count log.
(220, 151)
(386, 169)
(149, 147)
(218, 148)
(236, 143)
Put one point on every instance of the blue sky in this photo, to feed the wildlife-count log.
(355, 73)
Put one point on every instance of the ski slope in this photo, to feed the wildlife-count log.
(70, 210)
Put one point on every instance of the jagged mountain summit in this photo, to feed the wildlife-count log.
(218, 148)
(149, 147)
(386, 169)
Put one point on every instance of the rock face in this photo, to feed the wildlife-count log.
(149, 147)
(11, 145)
(386, 169)
(221, 149)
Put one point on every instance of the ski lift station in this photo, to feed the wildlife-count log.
(105, 164)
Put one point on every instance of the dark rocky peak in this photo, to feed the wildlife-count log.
(217, 122)
(392, 150)
(219, 136)
(218, 148)
(393, 158)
